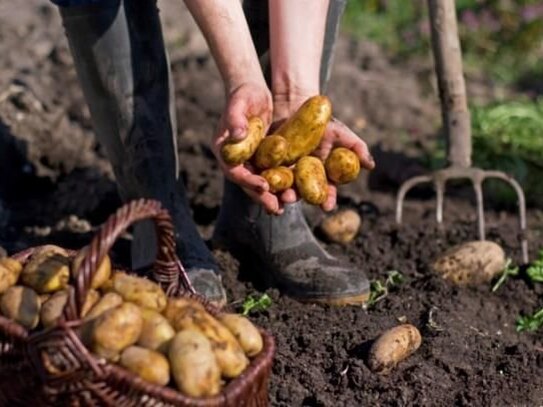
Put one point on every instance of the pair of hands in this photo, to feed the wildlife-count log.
(254, 99)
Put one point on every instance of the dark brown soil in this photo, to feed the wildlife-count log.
(56, 186)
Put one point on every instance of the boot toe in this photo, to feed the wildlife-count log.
(208, 283)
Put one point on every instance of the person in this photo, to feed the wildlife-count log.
(272, 56)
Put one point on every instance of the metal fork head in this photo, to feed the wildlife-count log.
(476, 176)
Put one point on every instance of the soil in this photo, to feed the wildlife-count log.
(57, 187)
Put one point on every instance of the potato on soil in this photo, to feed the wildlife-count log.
(471, 263)
(271, 152)
(193, 364)
(392, 347)
(186, 314)
(101, 275)
(22, 305)
(48, 270)
(156, 331)
(10, 269)
(310, 180)
(140, 291)
(341, 227)
(148, 364)
(235, 153)
(279, 179)
(305, 128)
(342, 166)
(107, 302)
(245, 332)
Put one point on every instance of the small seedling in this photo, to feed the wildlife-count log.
(379, 290)
(530, 323)
(252, 304)
(535, 271)
(508, 271)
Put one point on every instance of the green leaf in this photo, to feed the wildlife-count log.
(530, 323)
(508, 271)
(252, 304)
(535, 271)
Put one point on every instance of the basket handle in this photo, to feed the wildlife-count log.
(167, 269)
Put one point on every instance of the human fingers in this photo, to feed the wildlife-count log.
(331, 199)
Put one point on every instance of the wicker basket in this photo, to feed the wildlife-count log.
(53, 368)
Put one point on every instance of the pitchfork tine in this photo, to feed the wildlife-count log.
(440, 193)
(404, 189)
(480, 209)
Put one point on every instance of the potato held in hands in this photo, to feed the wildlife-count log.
(310, 180)
(342, 166)
(279, 179)
(236, 153)
(271, 152)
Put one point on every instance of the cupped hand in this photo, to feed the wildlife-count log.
(243, 102)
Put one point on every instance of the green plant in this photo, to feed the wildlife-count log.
(252, 304)
(535, 271)
(379, 290)
(530, 323)
(508, 271)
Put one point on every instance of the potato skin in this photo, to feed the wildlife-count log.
(305, 128)
(151, 366)
(310, 179)
(48, 270)
(102, 274)
(241, 151)
(10, 269)
(21, 304)
(156, 331)
(140, 291)
(51, 310)
(107, 302)
(471, 263)
(193, 364)
(184, 314)
(271, 152)
(245, 332)
(392, 347)
(279, 178)
(341, 227)
(342, 166)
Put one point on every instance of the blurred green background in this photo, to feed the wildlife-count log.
(502, 40)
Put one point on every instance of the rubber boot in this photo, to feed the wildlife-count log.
(123, 68)
(286, 253)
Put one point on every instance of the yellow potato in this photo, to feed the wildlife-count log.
(245, 332)
(304, 130)
(341, 227)
(52, 309)
(279, 178)
(342, 166)
(193, 364)
(271, 152)
(92, 299)
(10, 269)
(101, 275)
(22, 305)
(140, 291)
(471, 263)
(151, 366)
(235, 153)
(107, 302)
(115, 330)
(392, 347)
(311, 180)
(48, 270)
(156, 332)
(184, 314)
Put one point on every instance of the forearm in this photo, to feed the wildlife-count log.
(227, 34)
(297, 34)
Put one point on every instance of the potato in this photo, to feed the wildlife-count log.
(115, 330)
(101, 275)
(245, 332)
(311, 180)
(22, 305)
(52, 309)
(342, 166)
(341, 227)
(235, 153)
(93, 297)
(271, 152)
(156, 332)
(48, 270)
(392, 347)
(140, 291)
(305, 128)
(279, 178)
(193, 364)
(186, 314)
(10, 269)
(151, 366)
(471, 263)
(107, 302)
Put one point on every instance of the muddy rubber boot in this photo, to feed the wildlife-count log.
(123, 68)
(286, 252)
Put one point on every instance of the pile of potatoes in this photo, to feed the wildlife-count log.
(130, 321)
(284, 159)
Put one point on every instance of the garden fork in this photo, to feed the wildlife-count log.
(457, 125)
